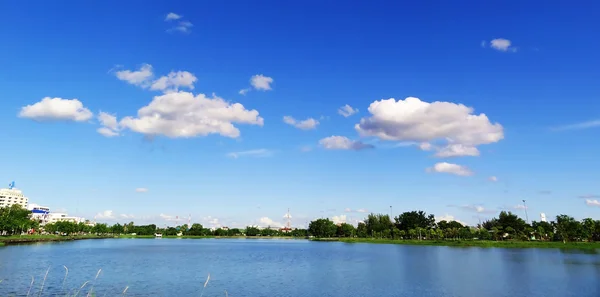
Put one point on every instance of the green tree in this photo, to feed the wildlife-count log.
(252, 231)
(345, 230)
(322, 228)
(414, 219)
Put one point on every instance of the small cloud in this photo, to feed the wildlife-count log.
(474, 208)
(140, 77)
(450, 168)
(126, 216)
(347, 110)
(457, 150)
(141, 190)
(307, 124)
(244, 91)
(172, 16)
(578, 126)
(306, 148)
(425, 146)
(56, 109)
(449, 218)
(251, 153)
(110, 126)
(362, 210)
(261, 82)
(592, 202)
(174, 80)
(348, 209)
(339, 219)
(105, 215)
(520, 207)
(343, 143)
(267, 222)
(493, 179)
(503, 45)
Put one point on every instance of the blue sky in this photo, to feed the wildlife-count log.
(531, 70)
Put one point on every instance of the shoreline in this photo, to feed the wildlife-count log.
(16, 240)
(470, 243)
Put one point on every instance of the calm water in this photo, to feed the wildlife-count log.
(253, 268)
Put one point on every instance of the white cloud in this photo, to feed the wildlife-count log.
(579, 126)
(457, 150)
(105, 215)
(475, 208)
(362, 210)
(348, 209)
(174, 80)
(141, 190)
(127, 216)
(444, 167)
(172, 16)
(261, 82)
(183, 115)
(343, 143)
(183, 27)
(493, 179)
(503, 45)
(424, 146)
(449, 218)
(592, 202)
(141, 77)
(244, 91)
(110, 126)
(347, 110)
(56, 109)
(267, 222)
(212, 222)
(251, 153)
(306, 148)
(307, 124)
(418, 121)
(339, 219)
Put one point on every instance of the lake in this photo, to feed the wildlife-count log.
(263, 267)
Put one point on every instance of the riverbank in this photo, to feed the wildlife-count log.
(473, 243)
(211, 236)
(16, 239)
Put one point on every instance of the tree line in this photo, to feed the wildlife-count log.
(421, 226)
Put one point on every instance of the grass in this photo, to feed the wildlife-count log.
(13, 239)
(473, 243)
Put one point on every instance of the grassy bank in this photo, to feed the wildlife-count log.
(16, 239)
(473, 243)
(211, 236)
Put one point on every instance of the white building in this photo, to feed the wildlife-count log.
(11, 196)
(542, 217)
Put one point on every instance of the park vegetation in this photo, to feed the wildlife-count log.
(417, 225)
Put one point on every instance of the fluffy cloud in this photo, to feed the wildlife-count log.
(457, 150)
(258, 82)
(212, 222)
(174, 80)
(141, 190)
(267, 222)
(182, 26)
(110, 126)
(347, 110)
(448, 218)
(261, 82)
(414, 120)
(144, 78)
(493, 179)
(450, 168)
(105, 215)
(181, 114)
(57, 109)
(503, 45)
(339, 219)
(343, 143)
(141, 77)
(251, 153)
(592, 202)
(172, 16)
(307, 124)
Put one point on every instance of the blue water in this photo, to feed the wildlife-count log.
(254, 268)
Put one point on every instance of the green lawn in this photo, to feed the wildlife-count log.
(474, 243)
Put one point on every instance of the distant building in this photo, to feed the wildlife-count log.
(543, 217)
(11, 196)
